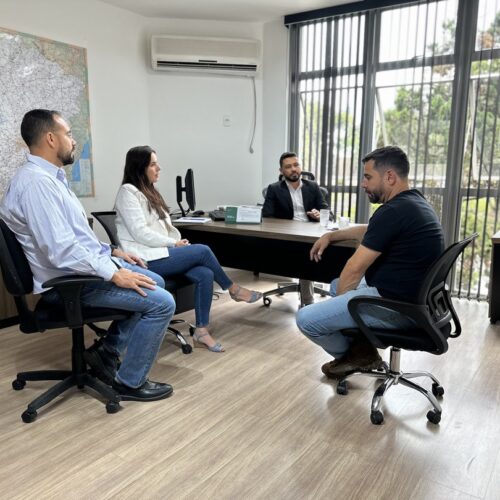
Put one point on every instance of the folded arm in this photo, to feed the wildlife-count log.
(350, 233)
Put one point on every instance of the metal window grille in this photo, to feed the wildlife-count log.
(400, 75)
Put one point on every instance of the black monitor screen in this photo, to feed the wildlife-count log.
(188, 188)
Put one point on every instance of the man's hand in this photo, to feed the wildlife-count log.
(319, 247)
(124, 278)
(313, 214)
(129, 257)
(182, 243)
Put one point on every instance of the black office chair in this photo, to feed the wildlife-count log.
(433, 315)
(18, 280)
(292, 286)
(179, 286)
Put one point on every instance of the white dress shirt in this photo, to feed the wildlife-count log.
(140, 230)
(299, 212)
(51, 225)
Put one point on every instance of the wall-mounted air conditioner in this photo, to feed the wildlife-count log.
(226, 56)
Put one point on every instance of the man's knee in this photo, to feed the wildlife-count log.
(164, 303)
(159, 280)
(305, 322)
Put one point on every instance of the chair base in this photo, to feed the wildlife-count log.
(392, 375)
(185, 347)
(289, 286)
(78, 376)
(68, 380)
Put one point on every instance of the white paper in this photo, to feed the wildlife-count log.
(194, 220)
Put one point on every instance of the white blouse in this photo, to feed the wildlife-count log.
(141, 231)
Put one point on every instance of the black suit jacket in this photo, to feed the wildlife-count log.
(278, 202)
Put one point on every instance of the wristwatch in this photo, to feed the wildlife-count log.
(113, 247)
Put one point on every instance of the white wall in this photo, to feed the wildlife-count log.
(186, 113)
(118, 86)
(275, 99)
(180, 115)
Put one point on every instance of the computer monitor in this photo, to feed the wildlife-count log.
(188, 189)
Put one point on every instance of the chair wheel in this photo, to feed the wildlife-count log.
(342, 388)
(112, 407)
(29, 416)
(186, 348)
(267, 301)
(434, 417)
(437, 390)
(377, 417)
(17, 384)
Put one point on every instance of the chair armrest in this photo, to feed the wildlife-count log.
(419, 313)
(71, 279)
(70, 288)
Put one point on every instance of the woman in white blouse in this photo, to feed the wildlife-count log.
(144, 228)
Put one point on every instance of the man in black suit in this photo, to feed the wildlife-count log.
(293, 197)
(297, 199)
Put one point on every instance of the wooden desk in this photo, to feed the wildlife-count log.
(276, 246)
(495, 279)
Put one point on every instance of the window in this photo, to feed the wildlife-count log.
(399, 75)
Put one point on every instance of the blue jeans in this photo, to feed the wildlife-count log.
(324, 321)
(199, 264)
(138, 338)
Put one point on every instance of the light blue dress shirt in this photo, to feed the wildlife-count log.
(51, 225)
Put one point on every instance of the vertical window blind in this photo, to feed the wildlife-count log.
(421, 75)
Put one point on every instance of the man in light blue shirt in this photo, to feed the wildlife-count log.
(51, 225)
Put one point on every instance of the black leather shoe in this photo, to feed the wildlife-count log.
(149, 391)
(104, 364)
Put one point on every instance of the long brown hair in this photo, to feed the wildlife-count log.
(136, 163)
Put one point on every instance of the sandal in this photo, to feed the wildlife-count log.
(197, 343)
(254, 297)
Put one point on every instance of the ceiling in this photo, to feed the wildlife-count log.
(222, 10)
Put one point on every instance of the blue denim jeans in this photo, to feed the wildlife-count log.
(324, 321)
(138, 338)
(199, 264)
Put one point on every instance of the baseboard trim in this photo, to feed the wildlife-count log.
(4, 323)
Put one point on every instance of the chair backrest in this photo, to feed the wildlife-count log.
(17, 277)
(16, 270)
(108, 222)
(433, 292)
(305, 175)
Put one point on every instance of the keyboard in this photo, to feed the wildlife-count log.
(217, 215)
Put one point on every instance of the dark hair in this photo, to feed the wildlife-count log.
(36, 123)
(284, 156)
(390, 157)
(136, 163)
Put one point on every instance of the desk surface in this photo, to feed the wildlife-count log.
(275, 246)
(288, 230)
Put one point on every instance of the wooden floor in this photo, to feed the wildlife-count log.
(259, 421)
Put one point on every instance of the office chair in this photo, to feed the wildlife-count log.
(292, 286)
(433, 315)
(179, 286)
(19, 283)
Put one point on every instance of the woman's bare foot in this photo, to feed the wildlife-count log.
(241, 294)
(202, 336)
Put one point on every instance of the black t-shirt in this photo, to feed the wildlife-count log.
(409, 236)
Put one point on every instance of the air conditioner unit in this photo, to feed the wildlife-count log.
(226, 56)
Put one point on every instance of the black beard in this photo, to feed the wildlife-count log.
(293, 178)
(68, 159)
(374, 198)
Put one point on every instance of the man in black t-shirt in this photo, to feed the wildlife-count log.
(399, 244)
